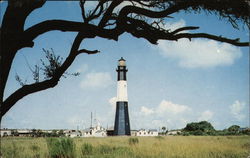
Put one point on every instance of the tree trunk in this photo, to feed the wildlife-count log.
(11, 38)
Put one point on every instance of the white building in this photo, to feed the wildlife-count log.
(24, 132)
(5, 132)
(97, 131)
(143, 132)
(72, 133)
(173, 132)
(153, 132)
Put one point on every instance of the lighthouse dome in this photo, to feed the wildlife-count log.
(122, 62)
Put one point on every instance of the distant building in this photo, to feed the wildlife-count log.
(153, 132)
(5, 132)
(72, 133)
(174, 132)
(97, 131)
(133, 132)
(24, 132)
(110, 131)
(143, 132)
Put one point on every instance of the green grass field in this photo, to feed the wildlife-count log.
(130, 147)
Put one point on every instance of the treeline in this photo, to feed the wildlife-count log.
(205, 128)
(39, 133)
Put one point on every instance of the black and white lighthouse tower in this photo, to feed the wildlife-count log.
(122, 125)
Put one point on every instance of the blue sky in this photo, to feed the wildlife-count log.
(169, 84)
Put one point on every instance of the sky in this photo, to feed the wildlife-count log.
(169, 84)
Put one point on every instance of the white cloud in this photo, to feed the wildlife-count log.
(165, 107)
(146, 111)
(158, 123)
(174, 25)
(171, 115)
(96, 80)
(198, 53)
(206, 115)
(236, 110)
(169, 107)
(165, 114)
(112, 102)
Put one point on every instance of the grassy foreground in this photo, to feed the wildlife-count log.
(130, 147)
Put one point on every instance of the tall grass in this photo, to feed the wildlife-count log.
(121, 147)
(24, 147)
(133, 141)
(61, 147)
(86, 149)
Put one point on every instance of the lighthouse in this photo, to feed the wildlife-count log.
(122, 125)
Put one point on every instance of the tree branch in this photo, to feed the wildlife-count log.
(213, 37)
(184, 29)
(227, 9)
(24, 91)
(141, 29)
(88, 51)
(82, 3)
(35, 87)
(92, 14)
(89, 30)
(109, 12)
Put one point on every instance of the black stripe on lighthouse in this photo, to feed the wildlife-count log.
(121, 73)
(122, 125)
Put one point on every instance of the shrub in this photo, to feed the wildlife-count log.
(199, 128)
(61, 147)
(185, 134)
(133, 141)
(198, 132)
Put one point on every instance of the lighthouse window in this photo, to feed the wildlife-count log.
(121, 76)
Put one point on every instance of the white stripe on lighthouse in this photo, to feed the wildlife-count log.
(122, 94)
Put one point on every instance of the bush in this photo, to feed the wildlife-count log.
(61, 147)
(86, 149)
(185, 134)
(198, 132)
(199, 128)
(133, 141)
(246, 131)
